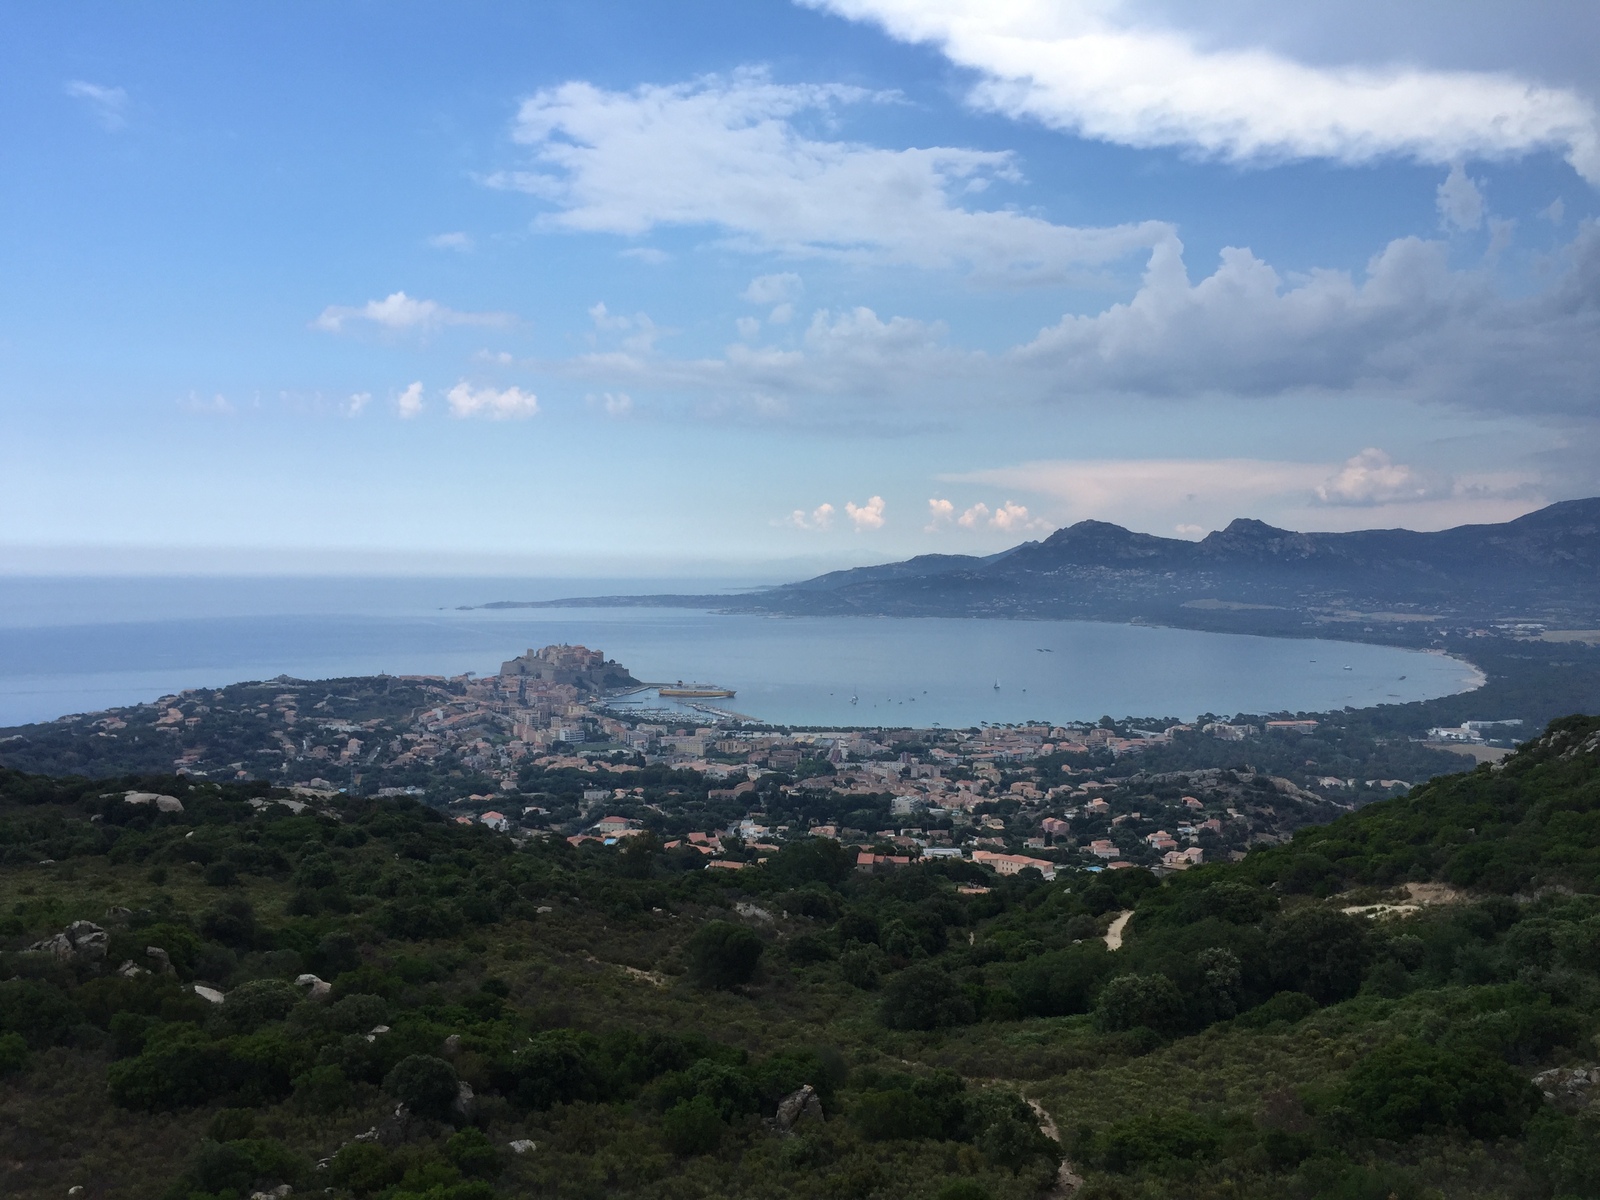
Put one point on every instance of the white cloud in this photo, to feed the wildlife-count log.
(866, 516)
(974, 516)
(109, 105)
(641, 332)
(1372, 477)
(940, 514)
(748, 327)
(1013, 517)
(408, 404)
(1554, 212)
(399, 313)
(1409, 327)
(1096, 68)
(728, 153)
(1460, 200)
(1192, 532)
(773, 289)
(498, 405)
(451, 241)
(819, 519)
(354, 406)
(648, 255)
(781, 315)
(615, 404)
(216, 404)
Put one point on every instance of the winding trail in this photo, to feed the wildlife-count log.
(1067, 1180)
(1114, 933)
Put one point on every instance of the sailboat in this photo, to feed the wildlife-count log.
(997, 685)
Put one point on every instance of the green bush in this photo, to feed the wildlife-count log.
(323, 1091)
(1409, 1087)
(1285, 1006)
(1139, 1001)
(13, 1053)
(692, 1127)
(365, 1168)
(1150, 1140)
(179, 1067)
(723, 955)
(426, 1085)
(473, 1154)
(924, 997)
(241, 1167)
(859, 967)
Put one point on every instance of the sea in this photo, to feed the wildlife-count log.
(75, 645)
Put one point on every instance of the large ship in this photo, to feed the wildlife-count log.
(696, 691)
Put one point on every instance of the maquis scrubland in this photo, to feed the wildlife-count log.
(215, 992)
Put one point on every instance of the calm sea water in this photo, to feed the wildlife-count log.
(76, 645)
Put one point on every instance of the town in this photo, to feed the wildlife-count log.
(544, 748)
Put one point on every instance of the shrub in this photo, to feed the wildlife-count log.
(1139, 1001)
(1150, 1139)
(1410, 1087)
(426, 1085)
(323, 1091)
(859, 967)
(364, 1168)
(723, 955)
(963, 1189)
(1006, 1131)
(13, 1053)
(259, 1002)
(243, 1166)
(473, 1154)
(1285, 1006)
(557, 1067)
(178, 1068)
(1320, 952)
(924, 997)
(692, 1127)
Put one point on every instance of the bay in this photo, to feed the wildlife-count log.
(78, 645)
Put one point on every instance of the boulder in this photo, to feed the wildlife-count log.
(316, 989)
(522, 1146)
(803, 1105)
(208, 993)
(81, 939)
(131, 970)
(162, 960)
(162, 803)
(465, 1102)
(277, 1193)
(452, 1044)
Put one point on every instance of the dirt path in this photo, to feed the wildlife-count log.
(1114, 934)
(1067, 1180)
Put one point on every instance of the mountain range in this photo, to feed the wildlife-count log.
(1543, 567)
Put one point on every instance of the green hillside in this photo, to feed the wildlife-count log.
(540, 1019)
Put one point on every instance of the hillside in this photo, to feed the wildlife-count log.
(1356, 1013)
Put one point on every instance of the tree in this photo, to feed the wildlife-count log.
(426, 1085)
(1320, 952)
(924, 997)
(723, 955)
(1409, 1087)
(1139, 1001)
(692, 1127)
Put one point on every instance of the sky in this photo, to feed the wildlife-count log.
(767, 287)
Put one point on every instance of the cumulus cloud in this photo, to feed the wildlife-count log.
(400, 313)
(408, 404)
(1099, 69)
(108, 105)
(866, 516)
(498, 405)
(451, 241)
(1409, 327)
(1372, 477)
(819, 519)
(1010, 517)
(1460, 200)
(729, 153)
(773, 289)
(639, 332)
(940, 514)
(353, 407)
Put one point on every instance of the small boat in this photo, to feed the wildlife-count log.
(1349, 668)
(997, 685)
(853, 699)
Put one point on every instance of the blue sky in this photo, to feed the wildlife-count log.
(763, 286)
